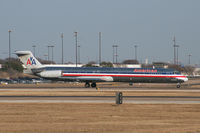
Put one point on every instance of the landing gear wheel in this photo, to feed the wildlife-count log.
(87, 85)
(93, 85)
(178, 85)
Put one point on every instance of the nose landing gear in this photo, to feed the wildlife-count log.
(178, 85)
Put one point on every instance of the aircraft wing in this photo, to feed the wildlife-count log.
(90, 78)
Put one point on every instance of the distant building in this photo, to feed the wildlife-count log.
(67, 65)
(122, 65)
(160, 64)
(127, 65)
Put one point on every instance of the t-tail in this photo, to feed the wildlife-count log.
(28, 60)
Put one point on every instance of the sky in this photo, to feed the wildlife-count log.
(150, 24)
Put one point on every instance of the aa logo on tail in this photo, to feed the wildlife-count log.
(31, 61)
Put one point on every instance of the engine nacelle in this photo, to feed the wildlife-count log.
(50, 74)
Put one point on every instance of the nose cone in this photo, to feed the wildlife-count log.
(184, 79)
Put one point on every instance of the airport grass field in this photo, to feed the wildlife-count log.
(99, 118)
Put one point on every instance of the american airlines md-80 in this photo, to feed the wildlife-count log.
(92, 75)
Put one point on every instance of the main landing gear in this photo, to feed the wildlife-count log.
(87, 85)
(130, 84)
(93, 85)
(178, 85)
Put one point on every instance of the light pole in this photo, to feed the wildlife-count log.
(135, 51)
(79, 60)
(48, 51)
(177, 46)
(62, 46)
(189, 58)
(174, 40)
(115, 54)
(34, 49)
(9, 51)
(52, 52)
(99, 48)
(76, 41)
(175, 51)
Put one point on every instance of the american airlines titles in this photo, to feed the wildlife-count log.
(146, 70)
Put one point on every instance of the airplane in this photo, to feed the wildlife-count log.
(92, 75)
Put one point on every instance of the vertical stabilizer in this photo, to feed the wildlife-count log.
(28, 60)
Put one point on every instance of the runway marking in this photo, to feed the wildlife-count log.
(100, 101)
(138, 97)
(102, 90)
(186, 99)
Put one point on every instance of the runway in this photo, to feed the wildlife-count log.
(76, 93)
(101, 99)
